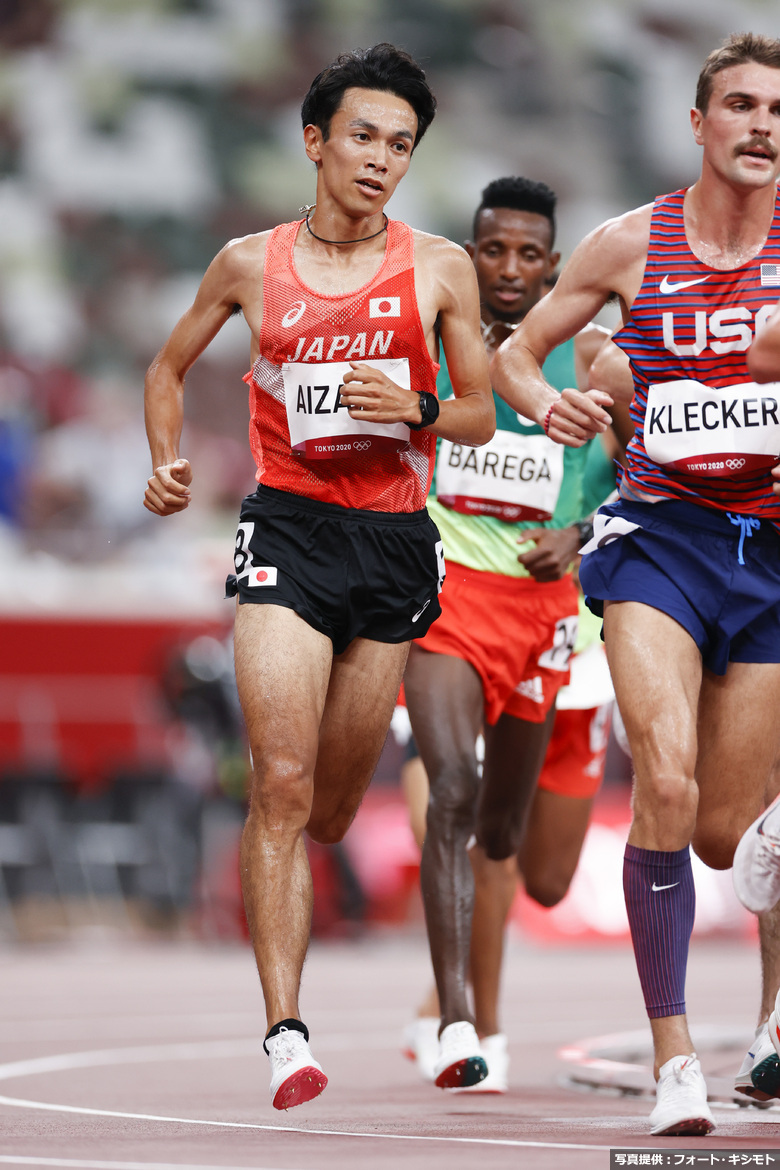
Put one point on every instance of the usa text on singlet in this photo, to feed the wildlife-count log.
(704, 430)
(301, 434)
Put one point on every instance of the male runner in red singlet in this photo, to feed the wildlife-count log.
(338, 565)
(686, 564)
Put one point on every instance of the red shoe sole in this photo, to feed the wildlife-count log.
(304, 1085)
(463, 1073)
(694, 1127)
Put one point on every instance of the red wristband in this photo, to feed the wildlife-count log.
(547, 417)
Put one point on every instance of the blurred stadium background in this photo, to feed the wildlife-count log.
(136, 137)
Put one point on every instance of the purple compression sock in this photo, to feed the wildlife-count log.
(661, 904)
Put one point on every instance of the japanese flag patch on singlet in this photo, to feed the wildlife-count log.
(713, 430)
(320, 423)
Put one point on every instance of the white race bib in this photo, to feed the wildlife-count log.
(513, 477)
(709, 430)
(319, 422)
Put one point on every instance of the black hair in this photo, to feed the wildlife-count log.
(519, 194)
(382, 67)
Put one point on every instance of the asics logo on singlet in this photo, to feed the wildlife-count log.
(293, 315)
(667, 287)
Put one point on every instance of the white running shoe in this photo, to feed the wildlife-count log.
(756, 872)
(495, 1051)
(681, 1108)
(420, 1043)
(460, 1062)
(759, 1075)
(295, 1075)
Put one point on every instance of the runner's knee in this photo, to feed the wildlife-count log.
(282, 791)
(548, 888)
(499, 837)
(452, 798)
(715, 844)
(666, 795)
(330, 828)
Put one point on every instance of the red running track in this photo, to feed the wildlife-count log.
(140, 1056)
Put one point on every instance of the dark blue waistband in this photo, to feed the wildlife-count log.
(681, 513)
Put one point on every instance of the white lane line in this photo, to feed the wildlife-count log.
(82, 1164)
(344, 1133)
(335, 1041)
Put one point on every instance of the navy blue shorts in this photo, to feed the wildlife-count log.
(718, 577)
(347, 572)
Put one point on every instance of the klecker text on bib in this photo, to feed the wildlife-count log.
(713, 430)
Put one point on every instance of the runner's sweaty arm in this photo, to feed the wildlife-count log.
(609, 260)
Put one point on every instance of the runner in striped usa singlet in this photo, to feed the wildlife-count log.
(703, 430)
(686, 565)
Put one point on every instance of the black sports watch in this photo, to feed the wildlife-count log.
(429, 409)
(585, 531)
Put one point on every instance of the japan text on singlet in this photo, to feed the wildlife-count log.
(705, 432)
(301, 434)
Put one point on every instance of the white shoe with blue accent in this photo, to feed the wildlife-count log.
(759, 1076)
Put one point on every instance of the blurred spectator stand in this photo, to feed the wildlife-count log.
(83, 696)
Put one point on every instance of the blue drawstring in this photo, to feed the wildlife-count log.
(746, 524)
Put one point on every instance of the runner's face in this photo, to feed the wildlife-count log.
(512, 258)
(367, 152)
(740, 132)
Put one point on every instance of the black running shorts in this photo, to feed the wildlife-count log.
(349, 573)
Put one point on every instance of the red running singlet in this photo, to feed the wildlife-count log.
(301, 435)
(705, 432)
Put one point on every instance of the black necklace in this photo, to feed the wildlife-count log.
(362, 240)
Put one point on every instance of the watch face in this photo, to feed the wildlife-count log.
(429, 407)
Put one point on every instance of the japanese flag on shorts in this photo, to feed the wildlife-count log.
(261, 575)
